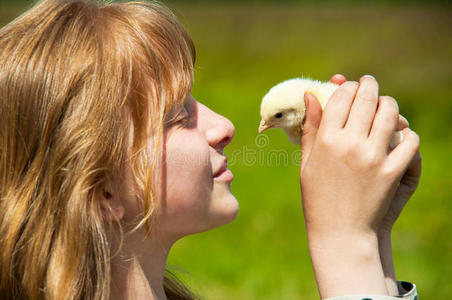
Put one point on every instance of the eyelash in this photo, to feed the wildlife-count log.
(185, 119)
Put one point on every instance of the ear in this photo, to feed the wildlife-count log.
(111, 206)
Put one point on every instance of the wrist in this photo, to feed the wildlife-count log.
(385, 249)
(364, 246)
(346, 264)
(343, 239)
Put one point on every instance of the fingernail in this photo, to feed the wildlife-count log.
(370, 76)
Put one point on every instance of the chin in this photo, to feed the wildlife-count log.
(226, 210)
(220, 208)
(220, 217)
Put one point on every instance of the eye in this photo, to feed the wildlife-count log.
(278, 115)
(178, 118)
(183, 117)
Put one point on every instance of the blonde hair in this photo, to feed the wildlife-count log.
(76, 77)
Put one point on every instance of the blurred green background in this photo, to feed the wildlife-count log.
(246, 47)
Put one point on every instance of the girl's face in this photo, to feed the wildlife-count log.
(196, 189)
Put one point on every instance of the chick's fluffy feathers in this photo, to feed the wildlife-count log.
(290, 93)
(287, 98)
(283, 106)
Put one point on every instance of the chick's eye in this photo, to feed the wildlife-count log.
(278, 115)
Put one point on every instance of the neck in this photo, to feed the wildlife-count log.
(138, 269)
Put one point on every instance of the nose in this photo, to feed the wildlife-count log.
(220, 132)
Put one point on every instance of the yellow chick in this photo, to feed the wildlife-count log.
(283, 106)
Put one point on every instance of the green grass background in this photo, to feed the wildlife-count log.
(244, 48)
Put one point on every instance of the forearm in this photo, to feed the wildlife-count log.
(385, 249)
(347, 265)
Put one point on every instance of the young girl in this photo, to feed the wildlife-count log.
(107, 160)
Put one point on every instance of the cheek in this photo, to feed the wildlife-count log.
(188, 174)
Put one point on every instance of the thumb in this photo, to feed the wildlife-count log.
(313, 115)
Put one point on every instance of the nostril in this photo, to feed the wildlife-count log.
(225, 141)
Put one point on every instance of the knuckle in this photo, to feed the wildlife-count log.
(393, 115)
(390, 108)
(416, 137)
(404, 121)
(340, 94)
(415, 141)
(327, 140)
(366, 156)
(372, 158)
(348, 87)
(387, 98)
(345, 89)
(384, 99)
(367, 96)
(387, 172)
(353, 149)
(351, 84)
(354, 145)
(390, 101)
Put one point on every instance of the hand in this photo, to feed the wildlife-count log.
(348, 161)
(348, 179)
(409, 181)
(407, 186)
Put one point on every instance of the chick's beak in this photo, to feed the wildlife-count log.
(263, 126)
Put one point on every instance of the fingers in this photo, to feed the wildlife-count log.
(338, 79)
(403, 123)
(385, 123)
(413, 172)
(401, 157)
(338, 107)
(398, 135)
(311, 125)
(364, 106)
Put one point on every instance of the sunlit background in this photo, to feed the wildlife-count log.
(246, 47)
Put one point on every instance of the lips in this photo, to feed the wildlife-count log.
(222, 168)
